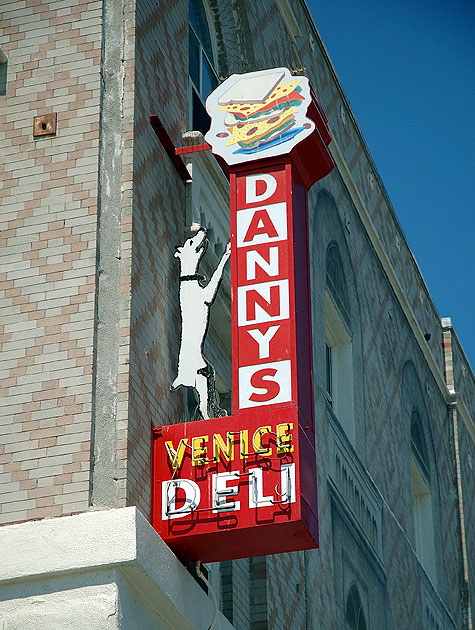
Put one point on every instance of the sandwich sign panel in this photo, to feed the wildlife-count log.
(245, 484)
(259, 115)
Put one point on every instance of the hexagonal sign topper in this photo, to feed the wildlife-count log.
(258, 115)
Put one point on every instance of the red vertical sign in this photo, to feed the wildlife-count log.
(245, 485)
(270, 305)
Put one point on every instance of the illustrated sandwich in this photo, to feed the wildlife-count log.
(260, 110)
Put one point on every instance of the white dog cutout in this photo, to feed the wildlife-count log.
(195, 301)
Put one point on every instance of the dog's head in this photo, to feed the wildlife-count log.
(193, 248)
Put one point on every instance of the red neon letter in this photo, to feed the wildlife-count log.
(258, 381)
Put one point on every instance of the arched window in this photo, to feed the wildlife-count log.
(418, 443)
(421, 495)
(201, 65)
(423, 473)
(336, 282)
(354, 616)
(339, 354)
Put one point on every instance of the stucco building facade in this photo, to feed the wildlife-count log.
(89, 337)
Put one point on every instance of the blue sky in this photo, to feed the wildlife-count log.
(408, 70)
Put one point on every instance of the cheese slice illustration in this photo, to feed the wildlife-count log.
(264, 129)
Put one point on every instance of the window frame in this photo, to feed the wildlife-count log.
(338, 342)
(355, 618)
(198, 118)
(422, 505)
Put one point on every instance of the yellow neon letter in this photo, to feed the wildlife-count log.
(244, 443)
(220, 447)
(284, 438)
(199, 450)
(176, 456)
(257, 441)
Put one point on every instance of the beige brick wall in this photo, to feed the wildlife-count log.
(47, 255)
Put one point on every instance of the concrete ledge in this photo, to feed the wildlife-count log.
(113, 549)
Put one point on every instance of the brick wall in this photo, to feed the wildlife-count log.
(159, 224)
(47, 253)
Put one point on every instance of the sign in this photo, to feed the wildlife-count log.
(258, 115)
(266, 210)
(234, 487)
(245, 485)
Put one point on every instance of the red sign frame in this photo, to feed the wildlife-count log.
(245, 485)
(281, 226)
(255, 486)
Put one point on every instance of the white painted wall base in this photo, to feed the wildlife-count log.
(102, 570)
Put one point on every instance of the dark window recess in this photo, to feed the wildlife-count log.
(354, 610)
(199, 22)
(329, 374)
(418, 444)
(194, 59)
(209, 80)
(336, 282)
(200, 119)
(203, 78)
